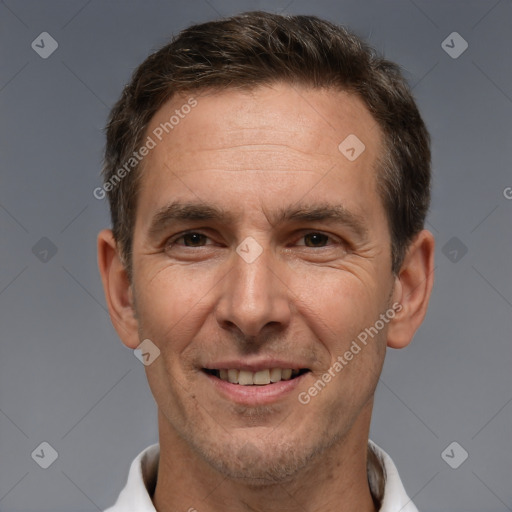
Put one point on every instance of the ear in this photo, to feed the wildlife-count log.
(413, 286)
(118, 289)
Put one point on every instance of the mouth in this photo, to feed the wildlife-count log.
(265, 377)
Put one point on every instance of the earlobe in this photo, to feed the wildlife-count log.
(413, 287)
(118, 289)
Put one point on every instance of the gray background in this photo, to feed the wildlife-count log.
(66, 379)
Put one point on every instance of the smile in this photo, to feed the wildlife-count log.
(258, 378)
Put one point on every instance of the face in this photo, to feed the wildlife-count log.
(260, 248)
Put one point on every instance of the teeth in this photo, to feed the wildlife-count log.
(287, 374)
(275, 374)
(245, 378)
(261, 378)
(233, 376)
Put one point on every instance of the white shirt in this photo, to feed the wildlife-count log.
(385, 483)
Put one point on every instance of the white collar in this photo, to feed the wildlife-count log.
(382, 474)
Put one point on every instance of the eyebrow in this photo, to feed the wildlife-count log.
(178, 211)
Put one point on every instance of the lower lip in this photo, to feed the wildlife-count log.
(255, 395)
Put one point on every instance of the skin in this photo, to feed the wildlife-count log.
(304, 299)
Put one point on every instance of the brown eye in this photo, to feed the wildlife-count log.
(190, 239)
(195, 239)
(315, 239)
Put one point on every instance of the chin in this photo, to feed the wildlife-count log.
(259, 462)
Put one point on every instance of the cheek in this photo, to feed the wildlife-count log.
(337, 305)
(169, 305)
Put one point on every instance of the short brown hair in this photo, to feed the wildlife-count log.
(259, 48)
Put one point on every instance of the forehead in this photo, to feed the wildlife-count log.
(277, 138)
(306, 122)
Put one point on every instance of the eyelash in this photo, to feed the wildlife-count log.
(171, 241)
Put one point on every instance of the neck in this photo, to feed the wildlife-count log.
(335, 480)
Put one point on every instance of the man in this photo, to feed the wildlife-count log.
(268, 179)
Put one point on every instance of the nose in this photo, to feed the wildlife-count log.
(254, 297)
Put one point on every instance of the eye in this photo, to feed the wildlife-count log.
(315, 239)
(190, 239)
(196, 239)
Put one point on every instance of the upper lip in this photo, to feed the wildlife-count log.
(254, 366)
